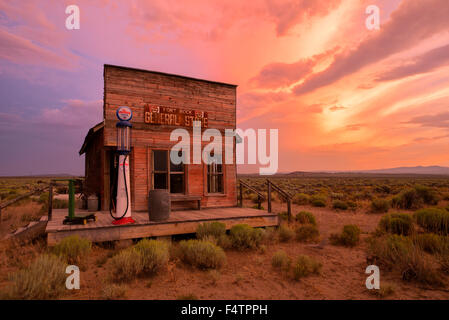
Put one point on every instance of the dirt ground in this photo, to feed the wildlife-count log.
(249, 274)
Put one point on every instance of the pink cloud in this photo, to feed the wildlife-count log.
(427, 62)
(440, 120)
(412, 22)
(20, 50)
(287, 14)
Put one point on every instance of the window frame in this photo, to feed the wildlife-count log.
(168, 172)
(206, 179)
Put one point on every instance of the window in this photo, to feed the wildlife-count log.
(167, 175)
(215, 178)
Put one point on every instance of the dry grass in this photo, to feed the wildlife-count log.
(43, 279)
(15, 217)
(126, 265)
(245, 237)
(73, 249)
(286, 233)
(201, 254)
(307, 233)
(113, 291)
(305, 266)
(349, 237)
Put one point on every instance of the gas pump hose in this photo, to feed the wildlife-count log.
(126, 189)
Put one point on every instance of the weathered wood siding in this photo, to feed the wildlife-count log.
(94, 166)
(135, 89)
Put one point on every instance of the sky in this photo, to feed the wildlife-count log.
(342, 96)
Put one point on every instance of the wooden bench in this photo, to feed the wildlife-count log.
(185, 197)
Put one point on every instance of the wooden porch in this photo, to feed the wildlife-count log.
(180, 222)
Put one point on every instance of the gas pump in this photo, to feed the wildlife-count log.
(122, 213)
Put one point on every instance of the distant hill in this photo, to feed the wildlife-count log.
(411, 170)
(418, 170)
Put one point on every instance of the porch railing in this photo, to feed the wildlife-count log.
(261, 197)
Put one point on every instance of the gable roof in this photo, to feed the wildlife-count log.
(89, 136)
(168, 74)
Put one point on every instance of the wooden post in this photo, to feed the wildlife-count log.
(259, 202)
(269, 196)
(289, 209)
(50, 201)
(241, 195)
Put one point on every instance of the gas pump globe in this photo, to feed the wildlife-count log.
(122, 213)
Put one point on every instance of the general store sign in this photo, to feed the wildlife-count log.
(174, 116)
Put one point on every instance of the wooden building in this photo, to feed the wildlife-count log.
(161, 103)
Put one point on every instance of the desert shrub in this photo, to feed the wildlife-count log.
(245, 237)
(318, 201)
(113, 292)
(126, 265)
(154, 254)
(427, 194)
(351, 204)
(415, 267)
(43, 279)
(224, 241)
(72, 249)
(397, 223)
(380, 205)
(280, 260)
(433, 220)
(399, 252)
(187, 296)
(384, 291)
(307, 233)
(337, 196)
(202, 254)
(285, 233)
(390, 249)
(432, 243)
(407, 199)
(340, 205)
(301, 199)
(304, 266)
(305, 217)
(414, 198)
(214, 229)
(349, 237)
(382, 189)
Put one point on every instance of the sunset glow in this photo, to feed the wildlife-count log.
(343, 97)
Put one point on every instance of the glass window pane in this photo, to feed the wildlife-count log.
(215, 183)
(160, 181)
(160, 160)
(219, 183)
(177, 167)
(176, 183)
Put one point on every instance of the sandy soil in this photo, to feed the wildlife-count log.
(249, 275)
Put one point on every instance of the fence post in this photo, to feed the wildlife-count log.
(241, 195)
(289, 209)
(50, 201)
(259, 202)
(269, 196)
